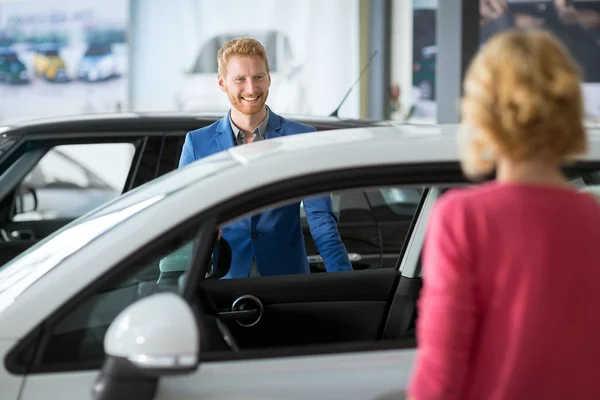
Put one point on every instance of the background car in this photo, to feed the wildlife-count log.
(121, 151)
(49, 65)
(199, 90)
(12, 69)
(424, 72)
(97, 64)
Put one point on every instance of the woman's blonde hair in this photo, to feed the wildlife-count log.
(243, 46)
(522, 101)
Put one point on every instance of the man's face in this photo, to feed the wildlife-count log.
(246, 83)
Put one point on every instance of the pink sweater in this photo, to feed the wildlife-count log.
(510, 305)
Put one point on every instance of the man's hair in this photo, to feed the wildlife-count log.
(243, 46)
(522, 101)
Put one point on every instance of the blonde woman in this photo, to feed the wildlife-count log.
(509, 306)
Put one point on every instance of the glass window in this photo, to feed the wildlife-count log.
(281, 247)
(71, 180)
(79, 337)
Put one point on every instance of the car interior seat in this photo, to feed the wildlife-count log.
(173, 267)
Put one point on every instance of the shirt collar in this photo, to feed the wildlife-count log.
(260, 133)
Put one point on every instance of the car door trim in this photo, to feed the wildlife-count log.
(410, 262)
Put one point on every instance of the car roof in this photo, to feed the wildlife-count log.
(152, 121)
(300, 155)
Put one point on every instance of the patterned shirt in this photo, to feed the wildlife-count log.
(259, 133)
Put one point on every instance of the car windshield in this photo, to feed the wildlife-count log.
(24, 270)
(97, 51)
(10, 57)
(51, 53)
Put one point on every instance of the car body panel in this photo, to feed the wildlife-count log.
(366, 376)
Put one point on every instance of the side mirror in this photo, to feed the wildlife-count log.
(155, 336)
(26, 200)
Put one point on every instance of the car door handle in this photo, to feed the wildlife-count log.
(317, 259)
(22, 234)
(243, 316)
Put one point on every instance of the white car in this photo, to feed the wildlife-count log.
(118, 305)
(199, 90)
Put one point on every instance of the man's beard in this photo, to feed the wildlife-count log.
(245, 108)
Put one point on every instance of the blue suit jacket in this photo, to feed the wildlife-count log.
(274, 238)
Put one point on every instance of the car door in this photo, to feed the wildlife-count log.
(303, 315)
(339, 360)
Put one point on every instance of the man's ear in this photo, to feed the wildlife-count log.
(221, 81)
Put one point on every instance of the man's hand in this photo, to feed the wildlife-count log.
(220, 234)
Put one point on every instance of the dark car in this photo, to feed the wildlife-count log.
(50, 175)
(12, 69)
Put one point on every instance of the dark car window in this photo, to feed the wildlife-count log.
(9, 57)
(97, 51)
(51, 53)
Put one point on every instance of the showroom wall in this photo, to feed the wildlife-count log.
(88, 56)
(581, 37)
(61, 57)
(314, 43)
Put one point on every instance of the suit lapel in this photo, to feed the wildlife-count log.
(274, 125)
(224, 135)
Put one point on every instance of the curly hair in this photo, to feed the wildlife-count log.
(243, 46)
(522, 101)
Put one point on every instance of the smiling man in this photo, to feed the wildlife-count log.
(271, 243)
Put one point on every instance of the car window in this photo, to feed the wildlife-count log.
(79, 336)
(283, 247)
(98, 51)
(71, 180)
(10, 57)
(206, 61)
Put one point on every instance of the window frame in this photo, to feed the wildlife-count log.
(81, 168)
(42, 143)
